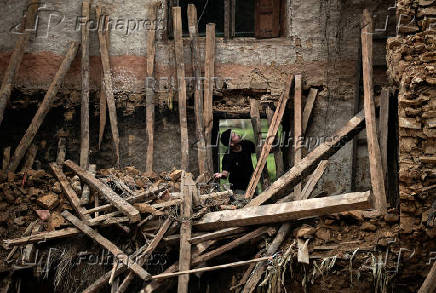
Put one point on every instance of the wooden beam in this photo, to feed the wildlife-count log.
(208, 269)
(257, 133)
(149, 93)
(103, 99)
(313, 180)
(69, 192)
(233, 22)
(216, 235)
(308, 107)
(282, 212)
(106, 192)
(298, 130)
(272, 132)
(118, 253)
(375, 165)
(143, 256)
(107, 79)
(198, 93)
(278, 157)
(44, 236)
(6, 157)
(209, 72)
(44, 107)
(429, 284)
(309, 163)
(180, 66)
(17, 56)
(185, 231)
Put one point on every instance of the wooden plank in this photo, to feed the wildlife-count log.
(310, 162)
(106, 192)
(217, 235)
(149, 93)
(69, 192)
(198, 93)
(308, 107)
(30, 156)
(6, 157)
(313, 180)
(180, 66)
(257, 132)
(107, 79)
(278, 156)
(185, 231)
(298, 130)
(272, 132)
(375, 165)
(273, 213)
(118, 253)
(384, 130)
(209, 73)
(103, 99)
(44, 107)
(146, 254)
(429, 284)
(44, 236)
(28, 251)
(17, 56)
(208, 269)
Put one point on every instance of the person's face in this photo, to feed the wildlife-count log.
(235, 139)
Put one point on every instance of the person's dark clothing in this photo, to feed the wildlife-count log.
(239, 165)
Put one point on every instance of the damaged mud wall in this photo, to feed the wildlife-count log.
(412, 60)
(321, 44)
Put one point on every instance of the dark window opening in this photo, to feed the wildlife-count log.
(208, 11)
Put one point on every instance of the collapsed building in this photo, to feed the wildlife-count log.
(111, 114)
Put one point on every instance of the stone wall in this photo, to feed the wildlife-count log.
(412, 60)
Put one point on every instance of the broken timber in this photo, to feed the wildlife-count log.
(17, 56)
(285, 211)
(6, 158)
(309, 163)
(43, 109)
(181, 82)
(308, 107)
(272, 132)
(429, 284)
(375, 164)
(185, 231)
(209, 72)
(107, 80)
(298, 131)
(313, 180)
(106, 192)
(198, 93)
(278, 157)
(151, 50)
(119, 255)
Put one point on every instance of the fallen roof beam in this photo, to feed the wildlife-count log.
(282, 212)
(106, 192)
(311, 161)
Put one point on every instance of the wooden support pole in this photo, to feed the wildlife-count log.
(375, 164)
(43, 109)
(107, 80)
(17, 56)
(69, 192)
(308, 107)
(257, 131)
(209, 72)
(273, 213)
(146, 254)
(181, 82)
(298, 130)
(119, 254)
(233, 23)
(6, 157)
(278, 157)
(272, 132)
(313, 180)
(384, 130)
(106, 192)
(198, 93)
(185, 232)
(311, 161)
(103, 99)
(356, 109)
(149, 94)
(227, 18)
